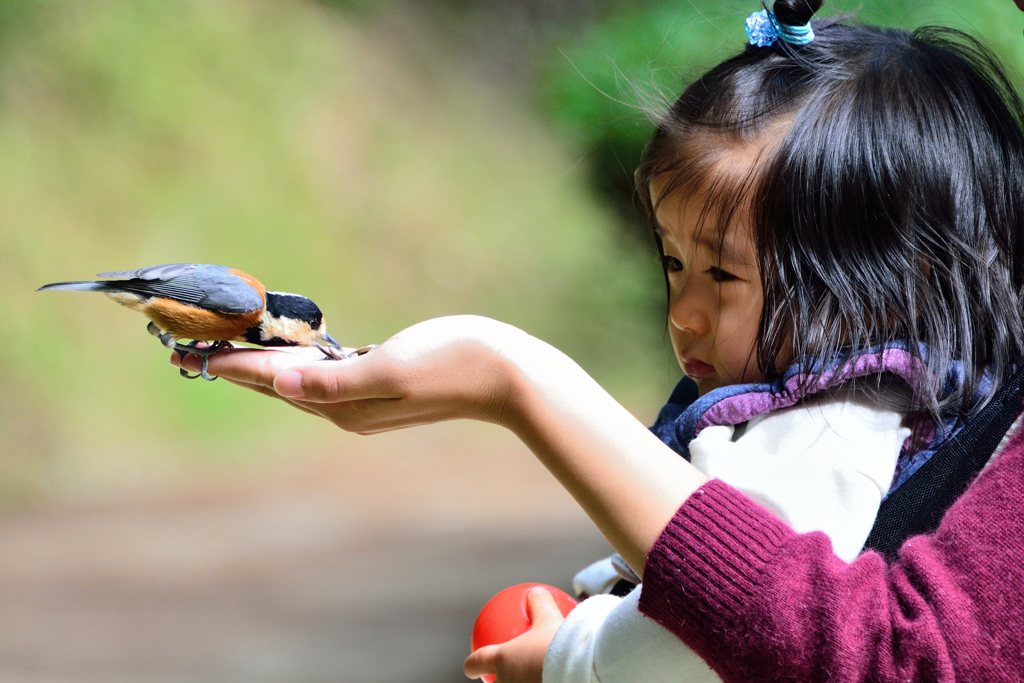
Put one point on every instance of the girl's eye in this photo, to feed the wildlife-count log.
(671, 264)
(719, 275)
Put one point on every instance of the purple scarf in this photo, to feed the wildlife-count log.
(685, 415)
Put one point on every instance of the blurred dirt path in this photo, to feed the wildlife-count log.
(366, 566)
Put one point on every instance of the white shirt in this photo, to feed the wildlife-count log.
(821, 466)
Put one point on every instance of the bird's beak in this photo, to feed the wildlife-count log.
(330, 341)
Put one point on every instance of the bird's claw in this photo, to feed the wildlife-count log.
(204, 354)
(183, 372)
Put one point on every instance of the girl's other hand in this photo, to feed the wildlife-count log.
(520, 660)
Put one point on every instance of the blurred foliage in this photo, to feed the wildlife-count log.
(14, 13)
(353, 6)
(335, 148)
(602, 85)
(348, 162)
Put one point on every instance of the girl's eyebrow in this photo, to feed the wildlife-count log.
(714, 244)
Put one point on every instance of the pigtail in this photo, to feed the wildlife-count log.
(795, 12)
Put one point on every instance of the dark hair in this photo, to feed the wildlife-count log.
(889, 209)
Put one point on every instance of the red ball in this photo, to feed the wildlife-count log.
(506, 616)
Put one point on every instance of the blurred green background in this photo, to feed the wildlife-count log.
(341, 151)
(393, 160)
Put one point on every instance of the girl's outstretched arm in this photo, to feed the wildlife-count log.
(625, 479)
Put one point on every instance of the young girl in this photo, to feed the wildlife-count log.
(839, 210)
(745, 179)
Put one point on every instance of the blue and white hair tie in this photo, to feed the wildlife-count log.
(763, 29)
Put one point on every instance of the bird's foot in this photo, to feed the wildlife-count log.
(204, 353)
(182, 352)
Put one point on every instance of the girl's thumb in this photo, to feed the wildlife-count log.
(541, 606)
(333, 382)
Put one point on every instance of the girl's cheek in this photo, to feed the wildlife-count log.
(676, 335)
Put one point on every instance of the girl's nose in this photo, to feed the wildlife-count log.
(689, 311)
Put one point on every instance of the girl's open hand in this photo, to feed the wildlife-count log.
(520, 660)
(440, 369)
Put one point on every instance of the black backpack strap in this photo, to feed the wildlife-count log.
(918, 505)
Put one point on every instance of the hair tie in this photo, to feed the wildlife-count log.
(763, 29)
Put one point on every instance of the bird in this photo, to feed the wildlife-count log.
(214, 304)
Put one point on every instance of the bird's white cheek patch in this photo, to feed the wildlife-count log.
(285, 328)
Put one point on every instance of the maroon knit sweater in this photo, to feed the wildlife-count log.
(762, 603)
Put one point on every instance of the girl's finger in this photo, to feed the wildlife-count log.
(253, 382)
(354, 379)
(542, 608)
(259, 389)
(482, 662)
(252, 366)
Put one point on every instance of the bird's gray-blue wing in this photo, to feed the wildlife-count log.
(209, 287)
(165, 272)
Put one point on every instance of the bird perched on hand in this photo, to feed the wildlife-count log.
(206, 303)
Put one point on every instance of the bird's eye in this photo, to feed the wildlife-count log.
(671, 264)
(719, 275)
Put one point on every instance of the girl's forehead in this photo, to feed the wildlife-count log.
(701, 215)
(713, 209)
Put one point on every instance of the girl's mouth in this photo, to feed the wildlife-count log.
(697, 369)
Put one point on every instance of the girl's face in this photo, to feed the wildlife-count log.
(715, 296)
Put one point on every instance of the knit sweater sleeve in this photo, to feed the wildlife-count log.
(761, 602)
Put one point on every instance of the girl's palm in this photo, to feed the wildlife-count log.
(437, 370)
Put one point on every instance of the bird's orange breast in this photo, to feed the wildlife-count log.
(188, 322)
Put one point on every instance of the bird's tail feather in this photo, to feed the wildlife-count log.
(85, 286)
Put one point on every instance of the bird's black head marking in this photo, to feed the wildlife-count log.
(294, 307)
